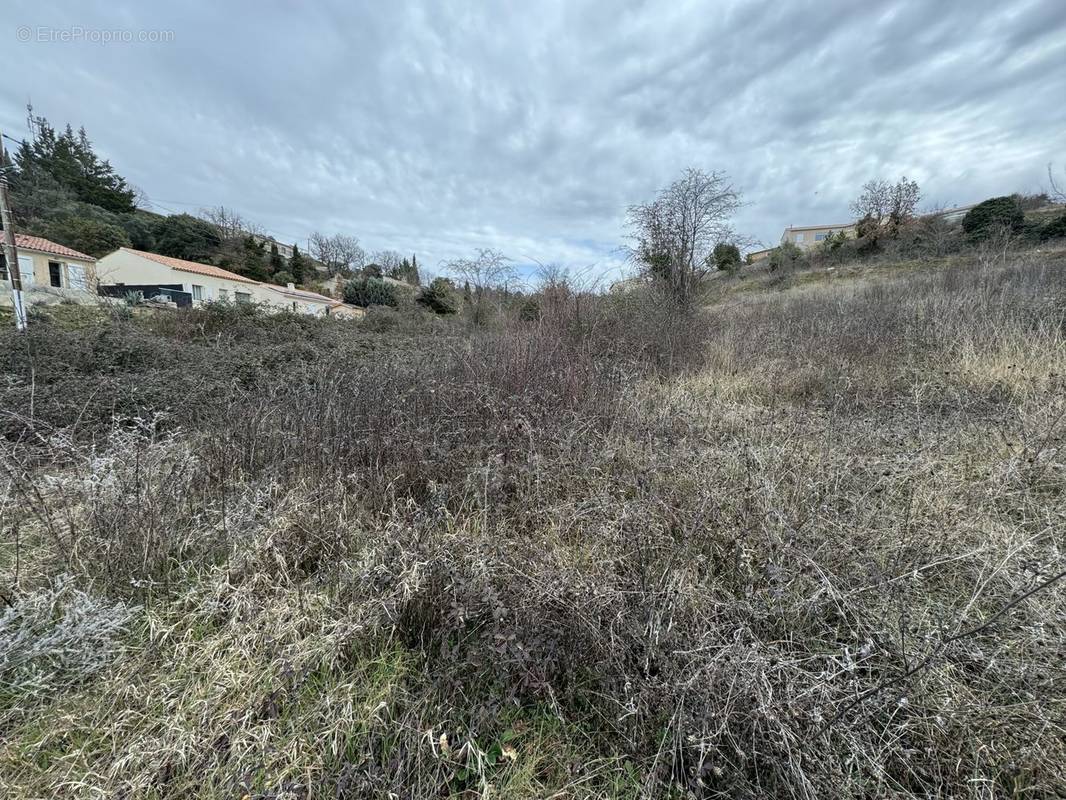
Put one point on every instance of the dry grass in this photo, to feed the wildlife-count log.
(611, 555)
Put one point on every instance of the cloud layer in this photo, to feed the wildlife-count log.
(438, 127)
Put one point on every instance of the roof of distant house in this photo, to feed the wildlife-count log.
(303, 294)
(24, 242)
(818, 227)
(943, 212)
(191, 266)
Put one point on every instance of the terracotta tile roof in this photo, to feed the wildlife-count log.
(24, 242)
(191, 266)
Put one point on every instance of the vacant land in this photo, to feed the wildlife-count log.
(782, 546)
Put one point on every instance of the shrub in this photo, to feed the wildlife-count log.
(283, 278)
(367, 291)
(186, 236)
(927, 237)
(529, 310)
(727, 256)
(58, 637)
(440, 297)
(786, 256)
(982, 220)
(87, 235)
(369, 566)
(1054, 228)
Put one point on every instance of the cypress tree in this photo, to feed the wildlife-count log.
(297, 265)
(277, 263)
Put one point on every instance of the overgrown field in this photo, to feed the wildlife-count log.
(798, 544)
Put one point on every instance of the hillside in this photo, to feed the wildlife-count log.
(802, 542)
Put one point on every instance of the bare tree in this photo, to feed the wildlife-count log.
(489, 272)
(675, 234)
(140, 197)
(883, 203)
(340, 254)
(388, 260)
(1058, 195)
(230, 224)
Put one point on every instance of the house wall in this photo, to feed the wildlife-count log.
(808, 237)
(124, 267)
(41, 275)
(298, 305)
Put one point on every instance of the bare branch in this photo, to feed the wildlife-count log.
(936, 651)
(340, 254)
(675, 234)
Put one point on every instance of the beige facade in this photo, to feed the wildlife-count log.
(43, 263)
(203, 281)
(808, 236)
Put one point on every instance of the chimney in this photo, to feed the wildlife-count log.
(290, 285)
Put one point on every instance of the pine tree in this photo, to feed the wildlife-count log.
(69, 159)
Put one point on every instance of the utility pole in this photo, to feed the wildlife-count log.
(10, 253)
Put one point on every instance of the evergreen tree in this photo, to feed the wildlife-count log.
(277, 263)
(297, 266)
(86, 235)
(252, 261)
(440, 297)
(69, 159)
(366, 291)
(186, 236)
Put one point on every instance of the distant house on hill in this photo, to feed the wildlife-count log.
(152, 274)
(808, 236)
(284, 250)
(953, 214)
(755, 256)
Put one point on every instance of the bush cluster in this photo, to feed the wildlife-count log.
(617, 550)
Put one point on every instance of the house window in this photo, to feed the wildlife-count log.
(818, 237)
(197, 293)
(223, 295)
(55, 273)
(799, 237)
(242, 297)
(3, 267)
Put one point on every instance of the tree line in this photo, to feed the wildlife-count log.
(63, 190)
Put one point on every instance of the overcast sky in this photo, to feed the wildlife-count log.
(529, 126)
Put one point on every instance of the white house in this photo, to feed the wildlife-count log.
(300, 300)
(203, 282)
(151, 274)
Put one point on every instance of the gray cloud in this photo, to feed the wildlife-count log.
(529, 127)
